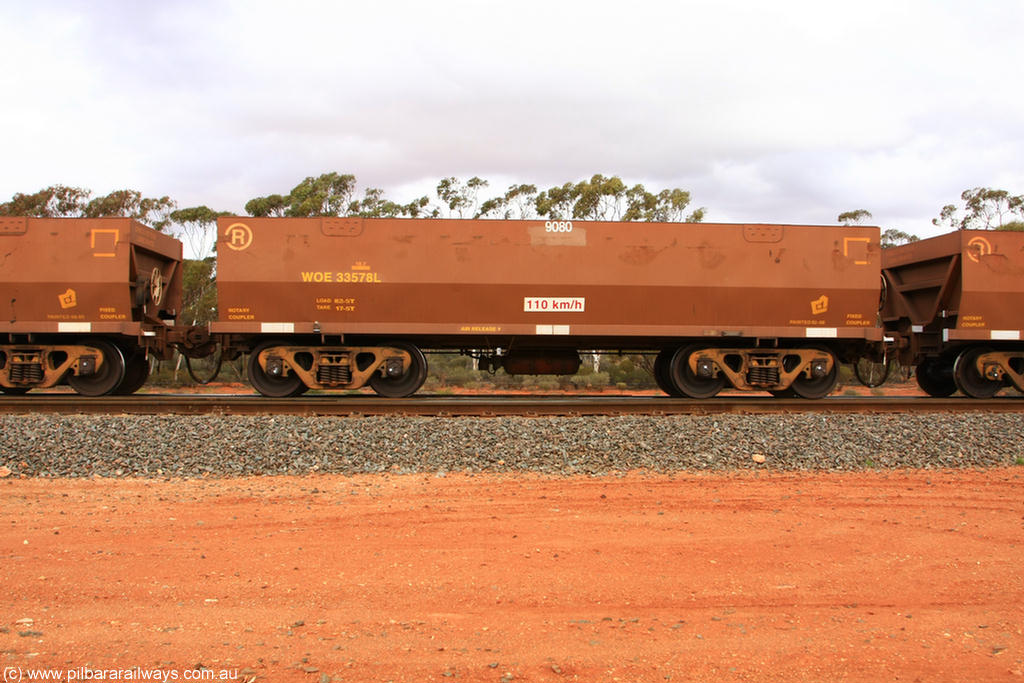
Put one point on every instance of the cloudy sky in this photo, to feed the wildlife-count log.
(766, 111)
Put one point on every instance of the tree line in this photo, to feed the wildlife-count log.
(599, 197)
(596, 198)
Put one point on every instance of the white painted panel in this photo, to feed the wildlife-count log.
(277, 328)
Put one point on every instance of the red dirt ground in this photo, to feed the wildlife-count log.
(734, 577)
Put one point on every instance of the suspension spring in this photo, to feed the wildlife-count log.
(333, 374)
(763, 376)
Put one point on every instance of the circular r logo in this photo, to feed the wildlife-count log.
(977, 247)
(238, 236)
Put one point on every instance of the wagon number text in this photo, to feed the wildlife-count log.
(329, 276)
(558, 226)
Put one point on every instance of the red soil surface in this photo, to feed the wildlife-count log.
(734, 577)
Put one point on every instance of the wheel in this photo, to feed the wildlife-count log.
(407, 383)
(871, 374)
(136, 372)
(686, 382)
(109, 376)
(268, 385)
(967, 377)
(935, 377)
(662, 373)
(817, 387)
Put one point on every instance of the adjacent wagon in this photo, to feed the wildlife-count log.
(84, 301)
(955, 304)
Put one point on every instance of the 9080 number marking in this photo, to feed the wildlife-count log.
(558, 226)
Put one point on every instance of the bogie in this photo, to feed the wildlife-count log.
(281, 369)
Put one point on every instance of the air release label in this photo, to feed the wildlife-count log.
(554, 304)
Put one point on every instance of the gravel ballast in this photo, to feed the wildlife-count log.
(198, 446)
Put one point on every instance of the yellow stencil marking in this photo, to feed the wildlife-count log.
(238, 236)
(978, 247)
(68, 299)
(106, 239)
(860, 248)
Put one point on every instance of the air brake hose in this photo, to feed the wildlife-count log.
(216, 371)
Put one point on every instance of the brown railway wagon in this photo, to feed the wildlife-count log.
(341, 302)
(84, 302)
(955, 304)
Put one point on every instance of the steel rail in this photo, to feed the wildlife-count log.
(486, 406)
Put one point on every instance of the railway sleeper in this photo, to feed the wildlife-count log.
(763, 369)
(336, 367)
(44, 366)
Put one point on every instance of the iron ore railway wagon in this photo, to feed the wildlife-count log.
(343, 302)
(86, 302)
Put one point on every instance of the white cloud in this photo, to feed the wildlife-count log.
(788, 111)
